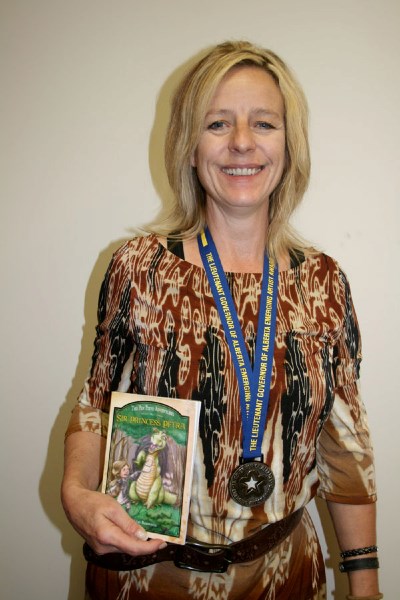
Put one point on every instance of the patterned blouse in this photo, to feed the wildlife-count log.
(159, 333)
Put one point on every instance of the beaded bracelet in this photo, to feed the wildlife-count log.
(359, 551)
(358, 564)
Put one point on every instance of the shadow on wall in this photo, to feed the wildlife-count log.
(53, 469)
(158, 131)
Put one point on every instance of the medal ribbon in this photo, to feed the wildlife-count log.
(254, 384)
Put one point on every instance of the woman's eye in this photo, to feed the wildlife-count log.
(216, 125)
(264, 125)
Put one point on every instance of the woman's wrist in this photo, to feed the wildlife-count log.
(363, 583)
(374, 597)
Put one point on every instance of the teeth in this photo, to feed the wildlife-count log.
(240, 172)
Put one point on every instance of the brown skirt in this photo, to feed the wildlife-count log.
(294, 569)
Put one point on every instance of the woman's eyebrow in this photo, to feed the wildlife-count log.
(255, 111)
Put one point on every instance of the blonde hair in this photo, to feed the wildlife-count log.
(189, 106)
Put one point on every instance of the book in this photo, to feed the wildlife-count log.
(149, 461)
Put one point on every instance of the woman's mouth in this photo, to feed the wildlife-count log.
(241, 171)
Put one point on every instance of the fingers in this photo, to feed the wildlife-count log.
(128, 525)
(115, 531)
(113, 539)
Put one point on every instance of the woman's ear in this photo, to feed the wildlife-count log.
(193, 161)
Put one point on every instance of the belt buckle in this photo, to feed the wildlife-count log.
(206, 558)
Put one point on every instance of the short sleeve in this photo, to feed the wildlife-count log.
(113, 349)
(344, 449)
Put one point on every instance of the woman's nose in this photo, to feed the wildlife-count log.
(242, 139)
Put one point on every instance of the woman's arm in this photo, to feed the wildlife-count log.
(355, 527)
(97, 517)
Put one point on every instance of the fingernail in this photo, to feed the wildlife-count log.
(163, 545)
(141, 535)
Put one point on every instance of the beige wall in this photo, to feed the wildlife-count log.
(81, 136)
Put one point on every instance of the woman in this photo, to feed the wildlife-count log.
(272, 350)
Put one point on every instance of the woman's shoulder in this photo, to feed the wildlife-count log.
(133, 251)
(136, 245)
(315, 268)
(324, 271)
(331, 266)
(310, 259)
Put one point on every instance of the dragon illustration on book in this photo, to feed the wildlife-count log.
(152, 484)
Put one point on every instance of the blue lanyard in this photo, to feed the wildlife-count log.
(254, 384)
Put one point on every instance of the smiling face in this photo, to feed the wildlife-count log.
(241, 153)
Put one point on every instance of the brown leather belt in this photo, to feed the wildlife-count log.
(198, 556)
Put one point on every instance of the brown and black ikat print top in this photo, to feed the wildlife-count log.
(159, 333)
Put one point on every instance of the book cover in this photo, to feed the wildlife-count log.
(149, 459)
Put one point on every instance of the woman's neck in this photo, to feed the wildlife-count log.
(239, 251)
(240, 238)
(240, 241)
